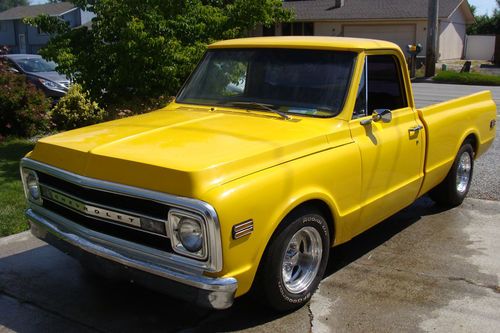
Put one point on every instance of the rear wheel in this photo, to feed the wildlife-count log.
(295, 262)
(454, 188)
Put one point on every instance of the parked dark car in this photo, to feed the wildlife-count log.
(40, 72)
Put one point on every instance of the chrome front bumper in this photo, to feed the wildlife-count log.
(124, 260)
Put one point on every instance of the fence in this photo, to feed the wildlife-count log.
(480, 47)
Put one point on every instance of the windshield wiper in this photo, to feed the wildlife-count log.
(262, 106)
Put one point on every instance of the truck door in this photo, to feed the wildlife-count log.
(391, 151)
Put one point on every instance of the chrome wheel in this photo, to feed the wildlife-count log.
(301, 260)
(464, 172)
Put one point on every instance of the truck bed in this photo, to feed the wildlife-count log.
(448, 125)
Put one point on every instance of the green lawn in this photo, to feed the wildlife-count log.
(467, 78)
(12, 203)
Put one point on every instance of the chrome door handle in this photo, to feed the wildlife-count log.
(416, 129)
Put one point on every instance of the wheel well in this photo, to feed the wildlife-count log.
(323, 208)
(315, 204)
(472, 139)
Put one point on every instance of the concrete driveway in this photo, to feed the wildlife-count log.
(424, 269)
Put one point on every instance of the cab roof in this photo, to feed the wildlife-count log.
(307, 42)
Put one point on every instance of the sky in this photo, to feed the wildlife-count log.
(483, 6)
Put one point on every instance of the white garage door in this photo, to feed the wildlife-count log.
(397, 33)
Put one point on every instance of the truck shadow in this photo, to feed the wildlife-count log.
(359, 246)
(248, 313)
(54, 287)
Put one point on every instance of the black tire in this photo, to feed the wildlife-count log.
(270, 285)
(450, 193)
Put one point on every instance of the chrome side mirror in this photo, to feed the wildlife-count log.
(384, 115)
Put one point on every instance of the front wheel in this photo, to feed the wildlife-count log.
(454, 188)
(295, 262)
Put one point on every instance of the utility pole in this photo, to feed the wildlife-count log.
(432, 38)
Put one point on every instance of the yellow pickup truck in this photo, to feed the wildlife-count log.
(274, 151)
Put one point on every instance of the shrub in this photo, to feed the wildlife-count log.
(468, 78)
(24, 110)
(144, 49)
(76, 110)
(135, 106)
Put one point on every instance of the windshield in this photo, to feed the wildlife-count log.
(36, 65)
(308, 82)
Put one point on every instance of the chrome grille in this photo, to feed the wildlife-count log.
(133, 205)
(120, 197)
(114, 214)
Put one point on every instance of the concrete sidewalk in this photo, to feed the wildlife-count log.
(422, 270)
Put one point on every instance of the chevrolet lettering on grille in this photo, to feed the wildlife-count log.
(91, 210)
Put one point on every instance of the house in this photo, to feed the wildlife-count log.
(22, 38)
(400, 21)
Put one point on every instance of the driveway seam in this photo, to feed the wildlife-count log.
(311, 317)
(494, 288)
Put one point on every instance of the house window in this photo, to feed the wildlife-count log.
(298, 29)
(308, 29)
(41, 32)
(286, 29)
(269, 31)
(1, 26)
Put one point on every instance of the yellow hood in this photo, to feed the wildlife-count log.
(184, 150)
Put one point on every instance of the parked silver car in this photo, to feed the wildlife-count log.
(40, 72)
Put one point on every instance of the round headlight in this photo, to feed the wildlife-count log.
(190, 234)
(32, 185)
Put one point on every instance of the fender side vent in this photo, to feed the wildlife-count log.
(242, 229)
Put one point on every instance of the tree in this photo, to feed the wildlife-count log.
(6, 4)
(146, 48)
(486, 25)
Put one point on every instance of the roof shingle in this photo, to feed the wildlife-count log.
(52, 9)
(368, 9)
